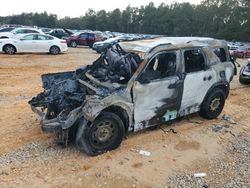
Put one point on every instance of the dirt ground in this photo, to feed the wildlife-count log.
(30, 158)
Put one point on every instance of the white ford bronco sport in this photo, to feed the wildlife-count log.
(133, 86)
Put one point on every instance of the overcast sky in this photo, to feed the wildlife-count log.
(73, 8)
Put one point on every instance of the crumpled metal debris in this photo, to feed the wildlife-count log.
(228, 118)
(66, 91)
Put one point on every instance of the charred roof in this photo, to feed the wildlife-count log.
(169, 43)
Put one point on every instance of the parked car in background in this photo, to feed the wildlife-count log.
(30, 43)
(60, 33)
(103, 45)
(232, 49)
(244, 77)
(242, 52)
(45, 30)
(19, 32)
(83, 39)
(6, 29)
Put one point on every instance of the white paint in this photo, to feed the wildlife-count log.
(34, 45)
(195, 89)
(149, 97)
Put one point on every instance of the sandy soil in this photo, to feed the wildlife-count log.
(30, 158)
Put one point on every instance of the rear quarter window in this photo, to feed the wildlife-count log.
(221, 54)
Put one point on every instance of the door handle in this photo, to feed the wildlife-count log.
(207, 78)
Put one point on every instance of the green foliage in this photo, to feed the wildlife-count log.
(228, 19)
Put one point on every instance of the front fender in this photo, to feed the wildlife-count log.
(92, 108)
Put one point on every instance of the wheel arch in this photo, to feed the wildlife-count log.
(9, 44)
(222, 85)
(121, 112)
(54, 45)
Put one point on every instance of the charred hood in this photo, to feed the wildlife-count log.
(66, 91)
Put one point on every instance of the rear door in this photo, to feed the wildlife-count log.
(82, 40)
(157, 93)
(43, 43)
(199, 78)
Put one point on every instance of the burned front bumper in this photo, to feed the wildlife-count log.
(59, 123)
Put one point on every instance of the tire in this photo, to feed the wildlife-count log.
(54, 50)
(213, 104)
(9, 49)
(104, 134)
(73, 44)
(90, 45)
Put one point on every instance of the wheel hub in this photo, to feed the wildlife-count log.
(104, 132)
(10, 50)
(215, 104)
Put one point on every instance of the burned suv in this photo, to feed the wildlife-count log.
(133, 86)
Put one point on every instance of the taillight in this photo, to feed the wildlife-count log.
(63, 41)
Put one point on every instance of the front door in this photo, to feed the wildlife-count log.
(27, 44)
(157, 93)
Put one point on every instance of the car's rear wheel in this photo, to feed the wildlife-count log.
(213, 104)
(73, 44)
(104, 134)
(54, 50)
(9, 49)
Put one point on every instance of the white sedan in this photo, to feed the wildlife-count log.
(32, 43)
(18, 32)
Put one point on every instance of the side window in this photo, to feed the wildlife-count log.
(20, 31)
(221, 54)
(28, 37)
(49, 38)
(91, 36)
(194, 60)
(161, 66)
(84, 35)
(41, 37)
(30, 31)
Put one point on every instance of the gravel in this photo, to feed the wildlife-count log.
(42, 151)
(223, 172)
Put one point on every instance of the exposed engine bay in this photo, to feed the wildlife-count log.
(66, 91)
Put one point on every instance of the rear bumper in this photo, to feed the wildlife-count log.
(59, 123)
(64, 48)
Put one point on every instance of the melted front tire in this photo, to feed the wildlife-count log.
(104, 134)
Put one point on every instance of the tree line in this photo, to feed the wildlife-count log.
(227, 19)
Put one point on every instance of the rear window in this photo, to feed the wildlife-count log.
(91, 36)
(221, 54)
(30, 31)
(194, 60)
